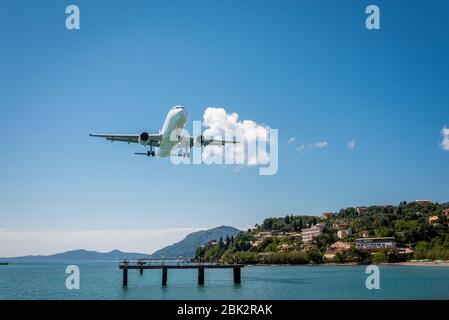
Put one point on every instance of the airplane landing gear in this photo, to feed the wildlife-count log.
(186, 153)
(178, 133)
(151, 153)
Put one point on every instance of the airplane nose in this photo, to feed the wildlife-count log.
(179, 112)
(183, 113)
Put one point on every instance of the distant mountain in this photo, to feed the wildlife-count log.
(186, 247)
(79, 255)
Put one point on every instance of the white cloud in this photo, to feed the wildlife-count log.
(217, 121)
(351, 144)
(445, 143)
(319, 145)
(32, 242)
(291, 140)
(316, 145)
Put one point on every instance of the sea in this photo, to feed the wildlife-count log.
(103, 280)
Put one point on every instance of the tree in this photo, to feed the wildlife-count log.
(295, 225)
(300, 224)
(361, 256)
(421, 250)
(407, 222)
(314, 255)
(268, 223)
(340, 256)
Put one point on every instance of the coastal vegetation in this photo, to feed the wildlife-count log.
(186, 247)
(419, 230)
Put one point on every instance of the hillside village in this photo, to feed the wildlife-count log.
(418, 230)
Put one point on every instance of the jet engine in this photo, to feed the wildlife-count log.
(200, 141)
(144, 138)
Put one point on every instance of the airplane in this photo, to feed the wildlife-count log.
(164, 140)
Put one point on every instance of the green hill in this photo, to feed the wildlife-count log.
(186, 247)
(80, 255)
(278, 240)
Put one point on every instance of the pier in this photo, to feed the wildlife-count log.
(146, 264)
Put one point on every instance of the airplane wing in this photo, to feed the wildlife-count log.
(130, 138)
(215, 142)
(210, 142)
(154, 139)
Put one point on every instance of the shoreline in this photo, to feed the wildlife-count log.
(325, 264)
(352, 264)
(419, 264)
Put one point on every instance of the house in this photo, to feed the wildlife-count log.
(292, 234)
(211, 242)
(263, 235)
(375, 244)
(341, 234)
(433, 219)
(405, 251)
(364, 234)
(423, 201)
(310, 233)
(361, 210)
(338, 246)
(340, 224)
(259, 237)
(326, 215)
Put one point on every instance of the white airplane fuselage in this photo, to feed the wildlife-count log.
(169, 137)
(173, 125)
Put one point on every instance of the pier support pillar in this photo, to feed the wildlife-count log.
(164, 276)
(125, 277)
(201, 275)
(237, 278)
(141, 271)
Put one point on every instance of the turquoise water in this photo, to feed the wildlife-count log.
(103, 280)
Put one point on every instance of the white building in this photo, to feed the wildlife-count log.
(374, 244)
(361, 210)
(310, 233)
(341, 234)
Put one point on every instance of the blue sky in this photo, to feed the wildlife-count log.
(308, 68)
